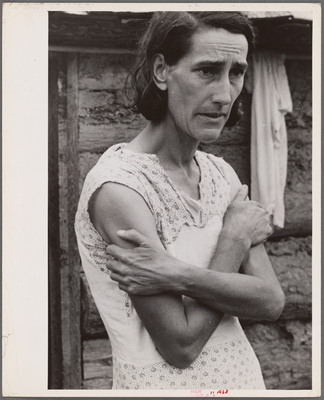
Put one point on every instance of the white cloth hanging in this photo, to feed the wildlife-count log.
(271, 100)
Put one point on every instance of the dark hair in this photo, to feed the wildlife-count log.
(169, 33)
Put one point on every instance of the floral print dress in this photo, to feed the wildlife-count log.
(189, 230)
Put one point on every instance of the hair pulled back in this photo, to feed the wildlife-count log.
(169, 33)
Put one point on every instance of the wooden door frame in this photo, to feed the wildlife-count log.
(55, 376)
(65, 369)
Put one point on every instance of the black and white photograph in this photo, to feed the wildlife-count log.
(166, 194)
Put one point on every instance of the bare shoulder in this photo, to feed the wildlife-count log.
(115, 206)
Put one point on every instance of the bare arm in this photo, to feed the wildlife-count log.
(256, 294)
(253, 295)
(179, 328)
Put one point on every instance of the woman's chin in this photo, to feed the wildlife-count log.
(210, 135)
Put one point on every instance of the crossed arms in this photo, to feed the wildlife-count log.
(240, 280)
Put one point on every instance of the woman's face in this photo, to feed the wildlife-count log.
(204, 84)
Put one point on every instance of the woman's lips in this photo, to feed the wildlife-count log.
(214, 116)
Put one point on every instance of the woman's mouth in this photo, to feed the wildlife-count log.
(214, 116)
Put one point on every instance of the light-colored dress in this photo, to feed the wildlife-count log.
(189, 230)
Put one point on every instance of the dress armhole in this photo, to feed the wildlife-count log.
(115, 206)
(225, 170)
(120, 177)
(86, 233)
(136, 190)
(232, 179)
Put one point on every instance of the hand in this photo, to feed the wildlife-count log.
(247, 220)
(142, 270)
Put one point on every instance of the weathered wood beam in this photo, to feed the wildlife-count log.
(105, 30)
(55, 377)
(82, 49)
(70, 269)
(120, 29)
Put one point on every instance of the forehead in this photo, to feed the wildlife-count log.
(216, 43)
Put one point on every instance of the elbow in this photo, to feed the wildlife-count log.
(180, 356)
(181, 360)
(276, 307)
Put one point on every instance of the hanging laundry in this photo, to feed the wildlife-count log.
(271, 100)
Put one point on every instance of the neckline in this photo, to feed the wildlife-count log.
(155, 159)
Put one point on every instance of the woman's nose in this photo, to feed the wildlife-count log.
(222, 91)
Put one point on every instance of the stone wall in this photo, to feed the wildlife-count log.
(284, 346)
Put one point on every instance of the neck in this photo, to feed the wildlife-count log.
(173, 148)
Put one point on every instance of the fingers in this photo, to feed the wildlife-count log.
(117, 252)
(116, 271)
(114, 266)
(120, 280)
(242, 193)
(123, 287)
(270, 227)
(263, 231)
(133, 236)
(116, 275)
(130, 235)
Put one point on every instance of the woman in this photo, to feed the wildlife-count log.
(177, 219)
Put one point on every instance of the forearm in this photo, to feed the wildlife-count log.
(231, 293)
(254, 296)
(180, 327)
(229, 254)
(228, 292)
(201, 321)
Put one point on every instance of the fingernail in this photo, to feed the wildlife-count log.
(121, 232)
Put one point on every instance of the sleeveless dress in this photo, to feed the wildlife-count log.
(189, 230)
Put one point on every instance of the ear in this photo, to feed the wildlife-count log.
(160, 72)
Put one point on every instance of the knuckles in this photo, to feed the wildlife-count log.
(128, 281)
(251, 218)
(129, 288)
(132, 290)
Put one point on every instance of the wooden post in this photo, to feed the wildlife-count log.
(55, 377)
(70, 262)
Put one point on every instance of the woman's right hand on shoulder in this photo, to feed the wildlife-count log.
(145, 269)
(246, 220)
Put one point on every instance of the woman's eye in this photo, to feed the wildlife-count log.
(207, 71)
(237, 72)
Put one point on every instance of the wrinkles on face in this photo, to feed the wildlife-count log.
(205, 83)
(223, 41)
(218, 47)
